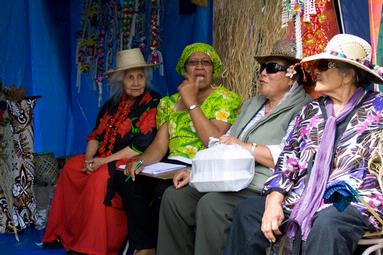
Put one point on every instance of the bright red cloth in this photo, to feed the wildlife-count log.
(78, 215)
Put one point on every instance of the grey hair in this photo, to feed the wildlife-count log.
(361, 77)
(116, 82)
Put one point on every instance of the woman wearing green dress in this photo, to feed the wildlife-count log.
(185, 121)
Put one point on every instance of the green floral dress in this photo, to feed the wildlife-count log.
(222, 104)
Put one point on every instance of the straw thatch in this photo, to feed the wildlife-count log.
(243, 29)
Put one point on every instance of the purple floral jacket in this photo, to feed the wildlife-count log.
(351, 154)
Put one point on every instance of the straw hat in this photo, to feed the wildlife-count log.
(128, 59)
(353, 50)
(283, 48)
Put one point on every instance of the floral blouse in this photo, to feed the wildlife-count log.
(135, 128)
(351, 154)
(222, 104)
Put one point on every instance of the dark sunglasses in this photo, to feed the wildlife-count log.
(323, 65)
(272, 68)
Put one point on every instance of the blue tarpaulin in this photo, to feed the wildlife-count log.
(38, 43)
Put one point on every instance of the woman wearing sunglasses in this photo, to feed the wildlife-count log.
(323, 165)
(196, 223)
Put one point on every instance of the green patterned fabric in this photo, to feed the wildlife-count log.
(199, 47)
(222, 104)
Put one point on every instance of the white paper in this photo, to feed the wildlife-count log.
(182, 159)
(159, 168)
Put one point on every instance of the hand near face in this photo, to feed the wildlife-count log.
(189, 90)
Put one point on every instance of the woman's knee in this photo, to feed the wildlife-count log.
(250, 208)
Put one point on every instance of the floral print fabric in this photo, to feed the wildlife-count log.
(137, 129)
(351, 154)
(222, 104)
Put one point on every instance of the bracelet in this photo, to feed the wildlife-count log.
(253, 146)
(192, 107)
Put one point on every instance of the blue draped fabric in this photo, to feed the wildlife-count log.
(38, 43)
(356, 18)
(34, 55)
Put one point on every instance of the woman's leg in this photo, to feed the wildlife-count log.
(178, 221)
(245, 235)
(213, 220)
(335, 232)
(140, 203)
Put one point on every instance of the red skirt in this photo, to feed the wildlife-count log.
(78, 215)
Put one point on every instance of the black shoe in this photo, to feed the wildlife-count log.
(53, 245)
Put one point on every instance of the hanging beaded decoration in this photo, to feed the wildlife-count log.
(127, 19)
(106, 28)
(97, 41)
(86, 41)
(296, 9)
(139, 39)
(155, 56)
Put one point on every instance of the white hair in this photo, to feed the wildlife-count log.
(116, 82)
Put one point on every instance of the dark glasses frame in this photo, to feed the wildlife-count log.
(202, 62)
(323, 65)
(272, 67)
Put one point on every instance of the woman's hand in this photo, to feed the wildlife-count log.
(97, 162)
(88, 165)
(92, 164)
(189, 91)
(133, 168)
(227, 139)
(273, 216)
(181, 179)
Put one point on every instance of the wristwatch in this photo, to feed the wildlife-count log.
(253, 146)
(192, 107)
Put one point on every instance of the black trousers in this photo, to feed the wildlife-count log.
(332, 232)
(141, 199)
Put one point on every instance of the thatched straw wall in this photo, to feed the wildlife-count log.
(243, 29)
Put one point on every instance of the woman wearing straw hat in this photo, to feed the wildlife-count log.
(203, 218)
(330, 143)
(79, 220)
(185, 121)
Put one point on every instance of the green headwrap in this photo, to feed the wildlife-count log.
(199, 47)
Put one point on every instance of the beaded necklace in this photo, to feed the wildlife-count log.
(112, 127)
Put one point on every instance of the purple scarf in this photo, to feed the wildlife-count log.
(311, 199)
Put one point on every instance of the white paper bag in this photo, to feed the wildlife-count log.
(222, 167)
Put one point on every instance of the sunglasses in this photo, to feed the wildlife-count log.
(323, 65)
(272, 68)
(196, 62)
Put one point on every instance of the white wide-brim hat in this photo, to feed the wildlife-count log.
(128, 59)
(353, 50)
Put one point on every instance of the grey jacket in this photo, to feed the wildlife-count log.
(270, 129)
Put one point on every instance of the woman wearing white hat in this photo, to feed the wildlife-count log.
(325, 158)
(85, 216)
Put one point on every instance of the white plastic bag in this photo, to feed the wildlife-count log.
(222, 167)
